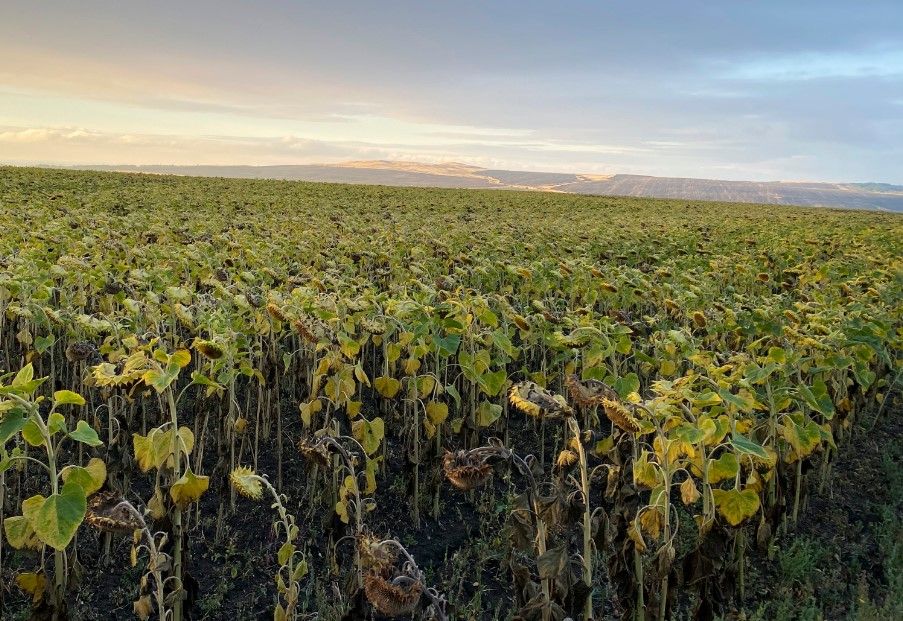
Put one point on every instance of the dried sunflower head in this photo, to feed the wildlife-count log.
(394, 598)
(81, 351)
(312, 329)
(246, 482)
(313, 452)
(618, 414)
(566, 459)
(109, 512)
(531, 399)
(466, 470)
(275, 311)
(375, 557)
(209, 349)
(588, 393)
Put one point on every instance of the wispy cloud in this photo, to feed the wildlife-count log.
(814, 65)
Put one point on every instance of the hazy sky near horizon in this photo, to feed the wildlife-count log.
(773, 89)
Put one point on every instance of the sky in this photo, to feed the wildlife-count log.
(764, 90)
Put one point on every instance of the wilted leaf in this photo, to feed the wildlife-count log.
(188, 488)
(736, 505)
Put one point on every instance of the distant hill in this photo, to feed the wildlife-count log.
(882, 196)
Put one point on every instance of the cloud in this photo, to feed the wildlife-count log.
(694, 88)
(814, 65)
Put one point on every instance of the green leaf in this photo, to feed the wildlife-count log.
(160, 380)
(32, 433)
(492, 383)
(448, 345)
(488, 413)
(744, 445)
(91, 477)
(24, 376)
(626, 385)
(85, 434)
(818, 399)
(60, 515)
(56, 423)
(11, 423)
(67, 397)
(450, 389)
(43, 343)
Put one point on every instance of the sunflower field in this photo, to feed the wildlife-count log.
(274, 400)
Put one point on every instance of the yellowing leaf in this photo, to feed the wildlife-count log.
(67, 397)
(341, 509)
(488, 413)
(386, 386)
(736, 505)
(645, 473)
(181, 358)
(688, 492)
(143, 607)
(32, 583)
(369, 433)
(725, 467)
(20, 534)
(437, 412)
(188, 488)
(60, 515)
(91, 477)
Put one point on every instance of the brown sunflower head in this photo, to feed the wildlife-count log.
(375, 556)
(275, 311)
(533, 400)
(208, 349)
(312, 329)
(620, 416)
(465, 469)
(313, 452)
(82, 351)
(393, 598)
(109, 512)
(588, 393)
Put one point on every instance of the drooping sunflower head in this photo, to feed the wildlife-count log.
(246, 482)
(393, 598)
(533, 400)
(374, 556)
(275, 311)
(82, 351)
(466, 470)
(588, 393)
(620, 416)
(313, 452)
(110, 512)
(208, 349)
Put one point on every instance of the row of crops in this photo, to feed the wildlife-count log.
(445, 404)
